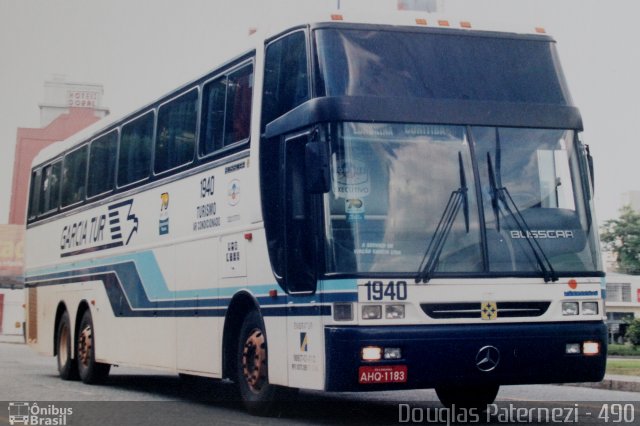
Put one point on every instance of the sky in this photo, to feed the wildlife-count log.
(141, 49)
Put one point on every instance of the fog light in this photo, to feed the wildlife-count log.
(570, 308)
(371, 353)
(591, 348)
(394, 311)
(572, 348)
(342, 312)
(371, 312)
(589, 308)
(392, 353)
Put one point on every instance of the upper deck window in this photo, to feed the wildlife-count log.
(286, 79)
(438, 66)
(74, 173)
(226, 110)
(134, 159)
(176, 139)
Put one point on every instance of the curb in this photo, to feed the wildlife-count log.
(608, 383)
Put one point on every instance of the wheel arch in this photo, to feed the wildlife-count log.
(241, 304)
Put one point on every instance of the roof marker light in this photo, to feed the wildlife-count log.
(443, 23)
(465, 24)
(421, 21)
(337, 17)
(541, 30)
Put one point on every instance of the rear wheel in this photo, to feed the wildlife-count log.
(258, 395)
(89, 370)
(468, 396)
(67, 367)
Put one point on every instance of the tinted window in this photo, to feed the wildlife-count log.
(134, 159)
(286, 80)
(74, 173)
(212, 131)
(438, 66)
(102, 164)
(226, 117)
(238, 105)
(50, 188)
(175, 140)
(33, 193)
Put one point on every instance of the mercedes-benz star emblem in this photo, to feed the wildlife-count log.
(488, 358)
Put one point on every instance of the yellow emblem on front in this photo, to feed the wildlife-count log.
(489, 310)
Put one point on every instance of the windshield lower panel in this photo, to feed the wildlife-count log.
(405, 196)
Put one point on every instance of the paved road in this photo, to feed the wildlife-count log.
(133, 396)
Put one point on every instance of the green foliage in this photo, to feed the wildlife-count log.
(621, 350)
(633, 333)
(622, 237)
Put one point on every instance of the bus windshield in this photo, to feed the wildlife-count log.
(435, 65)
(522, 197)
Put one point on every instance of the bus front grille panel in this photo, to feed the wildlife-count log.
(474, 310)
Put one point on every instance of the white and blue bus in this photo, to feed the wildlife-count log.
(348, 205)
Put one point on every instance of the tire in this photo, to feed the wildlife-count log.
(67, 365)
(257, 394)
(467, 396)
(90, 371)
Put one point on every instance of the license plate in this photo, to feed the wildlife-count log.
(382, 374)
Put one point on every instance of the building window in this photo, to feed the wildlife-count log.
(618, 292)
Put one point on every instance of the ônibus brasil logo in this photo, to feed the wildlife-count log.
(112, 228)
(27, 413)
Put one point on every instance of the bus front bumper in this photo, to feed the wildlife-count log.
(433, 355)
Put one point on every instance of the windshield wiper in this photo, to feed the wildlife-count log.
(457, 199)
(501, 194)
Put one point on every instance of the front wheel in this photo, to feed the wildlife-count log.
(90, 371)
(258, 395)
(468, 396)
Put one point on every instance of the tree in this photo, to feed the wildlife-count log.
(633, 333)
(622, 237)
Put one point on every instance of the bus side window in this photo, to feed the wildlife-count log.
(74, 172)
(34, 190)
(50, 188)
(102, 164)
(176, 136)
(238, 105)
(286, 76)
(134, 160)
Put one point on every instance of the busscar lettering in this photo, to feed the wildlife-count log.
(543, 234)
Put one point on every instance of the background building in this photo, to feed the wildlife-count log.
(67, 108)
(623, 303)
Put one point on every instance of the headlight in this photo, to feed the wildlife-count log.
(342, 312)
(371, 312)
(394, 311)
(570, 308)
(589, 308)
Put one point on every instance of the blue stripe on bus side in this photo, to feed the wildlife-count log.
(136, 287)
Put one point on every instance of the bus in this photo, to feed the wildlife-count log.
(350, 204)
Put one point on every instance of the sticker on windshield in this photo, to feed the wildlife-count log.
(354, 208)
(352, 179)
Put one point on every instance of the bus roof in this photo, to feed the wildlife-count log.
(282, 22)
